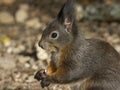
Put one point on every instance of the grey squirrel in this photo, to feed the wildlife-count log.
(75, 58)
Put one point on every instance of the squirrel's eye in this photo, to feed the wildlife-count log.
(54, 35)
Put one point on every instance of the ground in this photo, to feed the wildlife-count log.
(21, 26)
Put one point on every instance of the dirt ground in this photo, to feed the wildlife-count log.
(21, 26)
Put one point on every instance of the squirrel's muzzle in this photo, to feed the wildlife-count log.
(40, 44)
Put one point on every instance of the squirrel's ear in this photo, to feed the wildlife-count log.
(66, 16)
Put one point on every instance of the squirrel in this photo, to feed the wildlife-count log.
(74, 58)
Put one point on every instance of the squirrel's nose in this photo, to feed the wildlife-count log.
(40, 45)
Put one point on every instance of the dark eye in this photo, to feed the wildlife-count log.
(54, 35)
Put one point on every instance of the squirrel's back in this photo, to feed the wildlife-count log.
(98, 65)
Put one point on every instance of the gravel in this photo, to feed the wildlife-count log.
(20, 56)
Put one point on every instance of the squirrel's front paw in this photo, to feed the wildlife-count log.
(40, 75)
(45, 83)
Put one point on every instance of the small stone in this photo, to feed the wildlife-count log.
(23, 59)
(9, 50)
(8, 2)
(24, 7)
(116, 40)
(24, 77)
(113, 39)
(6, 18)
(35, 67)
(18, 49)
(30, 79)
(61, 87)
(79, 12)
(46, 18)
(33, 23)
(18, 75)
(27, 65)
(7, 63)
(22, 14)
(115, 12)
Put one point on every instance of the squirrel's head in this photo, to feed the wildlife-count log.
(62, 31)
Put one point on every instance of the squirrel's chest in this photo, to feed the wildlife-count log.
(59, 57)
(55, 58)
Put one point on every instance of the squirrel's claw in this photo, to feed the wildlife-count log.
(40, 75)
(45, 83)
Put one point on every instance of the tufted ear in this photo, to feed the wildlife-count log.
(66, 16)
